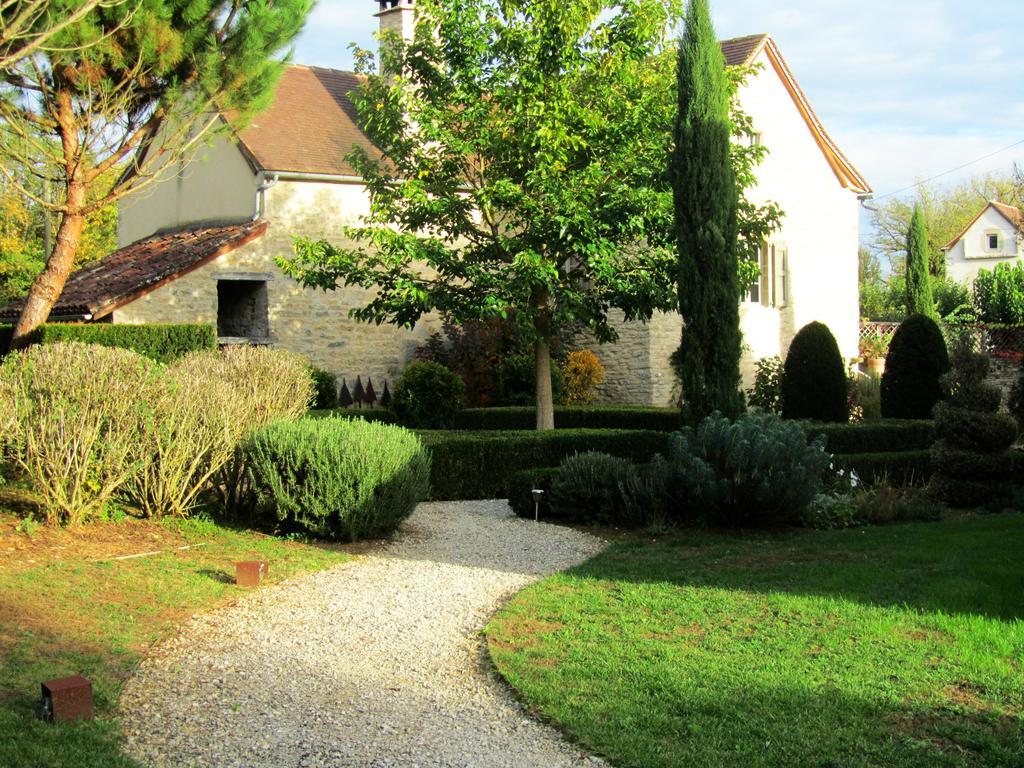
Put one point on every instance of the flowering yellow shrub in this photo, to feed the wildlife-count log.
(583, 374)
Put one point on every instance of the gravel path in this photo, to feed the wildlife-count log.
(376, 663)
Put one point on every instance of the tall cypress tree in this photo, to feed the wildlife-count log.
(919, 286)
(708, 360)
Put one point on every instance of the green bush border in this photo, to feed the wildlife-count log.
(479, 465)
(162, 343)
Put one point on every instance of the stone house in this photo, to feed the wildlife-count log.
(992, 237)
(199, 246)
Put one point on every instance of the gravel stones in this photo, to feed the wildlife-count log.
(374, 663)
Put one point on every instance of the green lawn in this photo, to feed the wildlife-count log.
(66, 608)
(889, 647)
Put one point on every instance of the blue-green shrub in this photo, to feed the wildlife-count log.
(756, 471)
(338, 479)
(590, 487)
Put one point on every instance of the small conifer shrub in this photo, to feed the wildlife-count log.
(916, 362)
(814, 378)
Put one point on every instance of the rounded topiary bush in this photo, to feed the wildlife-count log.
(814, 378)
(428, 396)
(340, 479)
(915, 364)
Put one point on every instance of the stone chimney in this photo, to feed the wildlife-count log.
(397, 16)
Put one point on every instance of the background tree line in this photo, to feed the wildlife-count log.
(946, 211)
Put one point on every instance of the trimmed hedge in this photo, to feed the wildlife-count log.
(479, 465)
(162, 343)
(573, 417)
(886, 436)
(520, 491)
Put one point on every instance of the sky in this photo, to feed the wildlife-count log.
(909, 89)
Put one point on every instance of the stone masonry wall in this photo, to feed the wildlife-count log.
(309, 322)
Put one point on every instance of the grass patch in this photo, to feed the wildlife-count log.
(898, 646)
(66, 607)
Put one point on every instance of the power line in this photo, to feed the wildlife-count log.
(951, 170)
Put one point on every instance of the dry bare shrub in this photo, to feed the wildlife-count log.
(262, 385)
(70, 420)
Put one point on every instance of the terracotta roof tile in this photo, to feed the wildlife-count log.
(311, 126)
(741, 50)
(143, 266)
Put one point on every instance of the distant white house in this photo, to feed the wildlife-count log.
(992, 237)
(200, 246)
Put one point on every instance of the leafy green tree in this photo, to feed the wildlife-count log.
(522, 171)
(126, 92)
(706, 200)
(919, 287)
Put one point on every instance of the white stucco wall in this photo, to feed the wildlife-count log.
(820, 231)
(821, 225)
(217, 186)
(312, 323)
(971, 253)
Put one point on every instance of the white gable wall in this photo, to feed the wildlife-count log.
(217, 186)
(820, 228)
(971, 253)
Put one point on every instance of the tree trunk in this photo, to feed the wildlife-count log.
(542, 349)
(48, 285)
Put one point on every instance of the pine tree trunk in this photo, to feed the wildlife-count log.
(542, 349)
(48, 285)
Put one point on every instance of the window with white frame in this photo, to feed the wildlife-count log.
(993, 240)
(772, 288)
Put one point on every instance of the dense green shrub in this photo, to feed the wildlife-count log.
(517, 381)
(70, 416)
(999, 294)
(917, 360)
(814, 378)
(969, 455)
(325, 388)
(766, 393)
(163, 343)
(478, 465)
(590, 487)
(338, 478)
(379, 416)
(428, 396)
(756, 471)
